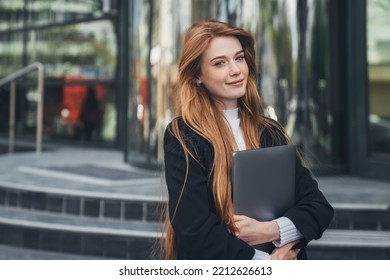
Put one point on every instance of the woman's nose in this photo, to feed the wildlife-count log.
(234, 69)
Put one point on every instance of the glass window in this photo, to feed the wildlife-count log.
(11, 50)
(76, 112)
(85, 50)
(292, 57)
(378, 55)
(12, 14)
(138, 58)
(80, 65)
(316, 124)
(57, 11)
(20, 13)
(80, 112)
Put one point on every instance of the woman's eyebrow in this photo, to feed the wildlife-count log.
(223, 56)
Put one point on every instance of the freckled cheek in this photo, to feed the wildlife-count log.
(219, 81)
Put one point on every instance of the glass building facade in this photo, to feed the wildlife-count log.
(378, 61)
(324, 72)
(76, 42)
(293, 47)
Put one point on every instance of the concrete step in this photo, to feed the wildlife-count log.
(76, 202)
(17, 253)
(354, 239)
(361, 217)
(351, 244)
(359, 203)
(126, 205)
(77, 235)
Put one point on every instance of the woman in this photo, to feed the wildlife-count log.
(219, 112)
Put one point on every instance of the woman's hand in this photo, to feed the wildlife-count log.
(254, 232)
(285, 252)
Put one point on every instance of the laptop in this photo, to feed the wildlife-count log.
(264, 183)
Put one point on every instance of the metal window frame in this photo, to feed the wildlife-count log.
(360, 162)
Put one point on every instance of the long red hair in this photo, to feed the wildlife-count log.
(201, 113)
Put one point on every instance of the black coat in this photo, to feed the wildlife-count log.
(198, 232)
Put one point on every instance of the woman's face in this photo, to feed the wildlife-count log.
(224, 71)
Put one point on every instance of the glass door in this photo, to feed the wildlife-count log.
(378, 63)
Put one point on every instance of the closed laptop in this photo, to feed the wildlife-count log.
(264, 181)
(264, 184)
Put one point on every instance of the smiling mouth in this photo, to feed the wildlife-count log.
(236, 83)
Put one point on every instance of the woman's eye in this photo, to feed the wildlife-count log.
(219, 63)
(240, 57)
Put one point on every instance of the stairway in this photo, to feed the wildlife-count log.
(95, 226)
(87, 204)
(361, 225)
(74, 210)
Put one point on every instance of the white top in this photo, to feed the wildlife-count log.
(233, 119)
(288, 231)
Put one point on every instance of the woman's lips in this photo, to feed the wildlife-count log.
(236, 83)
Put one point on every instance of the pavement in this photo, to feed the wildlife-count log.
(81, 170)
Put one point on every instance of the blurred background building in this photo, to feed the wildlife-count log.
(111, 66)
(324, 72)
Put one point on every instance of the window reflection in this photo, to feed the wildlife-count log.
(292, 56)
(76, 42)
(378, 55)
(85, 50)
(10, 50)
(140, 65)
(17, 13)
(83, 112)
(318, 103)
(76, 112)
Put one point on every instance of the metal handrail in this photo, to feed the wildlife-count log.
(36, 66)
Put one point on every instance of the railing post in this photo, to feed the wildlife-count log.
(40, 88)
(12, 101)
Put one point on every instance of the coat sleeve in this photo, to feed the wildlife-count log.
(312, 213)
(198, 233)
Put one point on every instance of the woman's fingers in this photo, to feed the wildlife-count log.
(286, 252)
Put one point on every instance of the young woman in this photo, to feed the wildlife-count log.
(219, 112)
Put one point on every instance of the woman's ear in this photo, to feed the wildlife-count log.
(198, 82)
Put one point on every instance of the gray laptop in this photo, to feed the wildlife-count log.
(264, 182)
